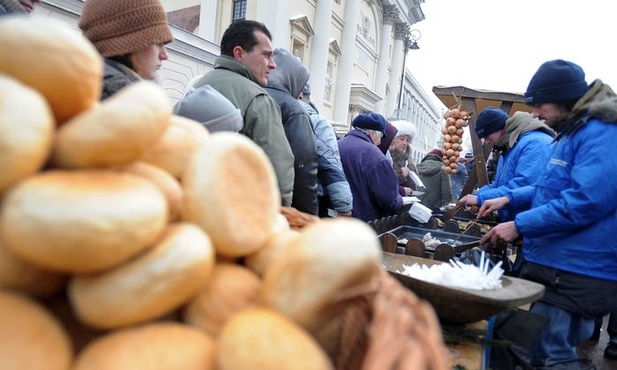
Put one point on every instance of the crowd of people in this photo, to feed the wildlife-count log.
(553, 187)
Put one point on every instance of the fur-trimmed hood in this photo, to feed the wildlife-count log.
(600, 101)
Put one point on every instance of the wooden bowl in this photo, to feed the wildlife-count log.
(459, 305)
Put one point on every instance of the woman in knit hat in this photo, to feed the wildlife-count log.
(130, 35)
(402, 162)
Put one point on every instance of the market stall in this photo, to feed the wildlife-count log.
(474, 101)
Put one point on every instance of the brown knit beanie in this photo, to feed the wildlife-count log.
(118, 27)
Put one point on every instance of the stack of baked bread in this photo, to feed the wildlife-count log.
(131, 238)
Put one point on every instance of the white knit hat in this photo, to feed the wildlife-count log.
(405, 128)
(211, 108)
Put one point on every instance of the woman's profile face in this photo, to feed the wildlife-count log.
(401, 142)
(148, 60)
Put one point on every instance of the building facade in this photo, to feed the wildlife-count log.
(354, 49)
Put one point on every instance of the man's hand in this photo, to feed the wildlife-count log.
(469, 200)
(491, 205)
(504, 231)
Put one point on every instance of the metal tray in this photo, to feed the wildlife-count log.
(458, 305)
(411, 232)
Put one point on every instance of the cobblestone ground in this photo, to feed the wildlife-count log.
(595, 351)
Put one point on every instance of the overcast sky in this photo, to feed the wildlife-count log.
(499, 44)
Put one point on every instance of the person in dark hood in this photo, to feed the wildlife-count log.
(436, 181)
(524, 144)
(569, 229)
(285, 84)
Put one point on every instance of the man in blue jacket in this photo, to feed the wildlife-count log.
(373, 183)
(524, 144)
(569, 230)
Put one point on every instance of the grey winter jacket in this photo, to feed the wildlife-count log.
(262, 117)
(284, 84)
(116, 76)
(11, 7)
(332, 181)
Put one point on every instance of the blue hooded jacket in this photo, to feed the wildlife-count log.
(519, 166)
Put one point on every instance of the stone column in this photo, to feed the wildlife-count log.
(396, 74)
(320, 47)
(390, 14)
(275, 14)
(208, 22)
(345, 65)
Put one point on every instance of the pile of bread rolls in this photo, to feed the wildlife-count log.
(131, 238)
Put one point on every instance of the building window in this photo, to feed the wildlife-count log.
(239, 10)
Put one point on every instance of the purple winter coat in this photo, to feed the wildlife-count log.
(371, 177)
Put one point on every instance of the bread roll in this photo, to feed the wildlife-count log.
(232, 193)
(150, 285)
(229, 289)
(30, 337)
(81, 335)
(174, 149)
(55, 60)
(155, 346)
(23, 276)
(168, 184)
(274, 248)
(264, 339)
(26, 131)
(82, 221)
(116, 132)
(329, 258)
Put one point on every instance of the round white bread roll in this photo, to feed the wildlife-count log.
(174, 149)
(328, 258)
(24, 277)
(30, 337)
(230, 289)
(155, 346)
(168, 184)
(116, 132)
(264, 339)
(55, 60)
(231, 192)
(149, 286)
(82, 221)
(26, 131)
(274, 248)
